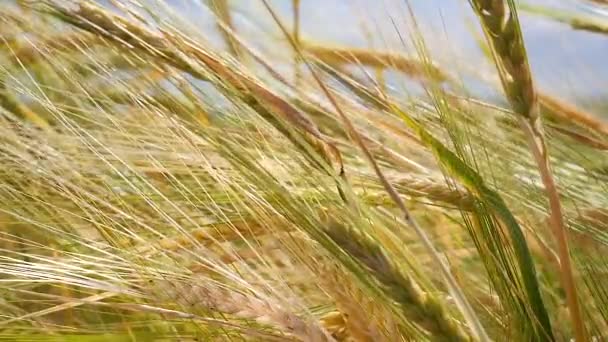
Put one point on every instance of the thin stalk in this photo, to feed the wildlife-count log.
(537, 145)
(296, 37)
(224, 23)
(453, 287)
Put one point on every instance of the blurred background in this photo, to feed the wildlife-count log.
(567, 61)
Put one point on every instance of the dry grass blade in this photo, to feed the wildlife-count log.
(500, 24)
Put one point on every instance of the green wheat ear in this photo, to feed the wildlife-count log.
(421, 307)
(501, 26)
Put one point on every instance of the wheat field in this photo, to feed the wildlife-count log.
(165, 178)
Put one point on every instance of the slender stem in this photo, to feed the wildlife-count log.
(536, 141)
(296, 38)
(225, 26)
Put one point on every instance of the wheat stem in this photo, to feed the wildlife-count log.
(222, 11)
(538, 148)
(296, 37)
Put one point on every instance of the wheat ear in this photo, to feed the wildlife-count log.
(337, 56)
(206, 295)
(366, 320)
(419, 306)
(500, 24)
(568, 112)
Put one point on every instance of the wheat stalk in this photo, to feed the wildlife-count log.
(221, 10)
(500, 23)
